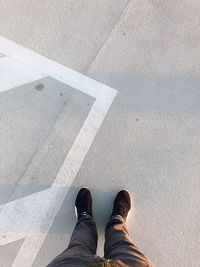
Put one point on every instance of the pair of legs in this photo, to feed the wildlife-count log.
(118, 248)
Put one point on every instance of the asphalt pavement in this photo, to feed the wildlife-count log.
(144, 134)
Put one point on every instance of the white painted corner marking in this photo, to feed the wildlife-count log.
(31, 217)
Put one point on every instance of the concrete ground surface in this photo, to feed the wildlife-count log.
(148, 51)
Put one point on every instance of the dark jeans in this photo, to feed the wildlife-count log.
(118, 246)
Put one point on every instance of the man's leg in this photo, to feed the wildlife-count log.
(82, 246)
(84, 236)
(83, 243)
(118, 245)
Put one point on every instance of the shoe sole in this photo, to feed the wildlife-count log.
(131, 203)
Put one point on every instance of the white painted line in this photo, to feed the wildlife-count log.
(55, 70)
(31, 217)
(13, 74)
(83, 142)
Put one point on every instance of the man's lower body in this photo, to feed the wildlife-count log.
(118, 246)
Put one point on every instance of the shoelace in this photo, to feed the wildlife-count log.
(84, 213)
